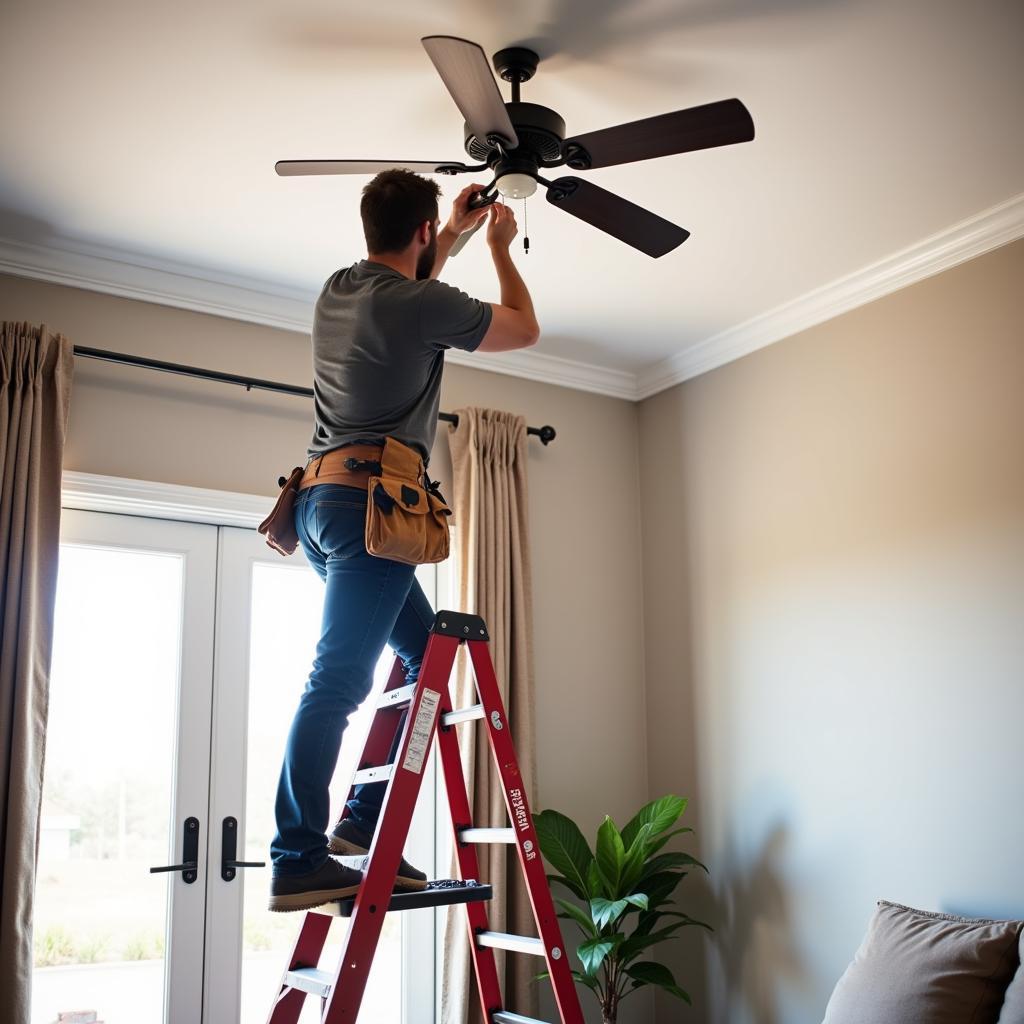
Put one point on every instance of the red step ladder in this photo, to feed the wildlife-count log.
(414, 711)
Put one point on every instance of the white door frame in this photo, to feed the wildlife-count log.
(197, 546)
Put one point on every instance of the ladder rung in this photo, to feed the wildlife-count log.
(381, 773)
(463, 715)
(469, 892)
(487, 835)
(513, 943)
(506, 1017)
(310, 979)
(401, 695)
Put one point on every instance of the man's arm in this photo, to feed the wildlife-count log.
(462, 219)
(513, 322)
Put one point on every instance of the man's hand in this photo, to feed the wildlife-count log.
(462, 217)
(502, 227)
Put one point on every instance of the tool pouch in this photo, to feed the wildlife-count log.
(279, 526)
(406, 516)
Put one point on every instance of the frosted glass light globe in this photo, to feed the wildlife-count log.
(517, 186)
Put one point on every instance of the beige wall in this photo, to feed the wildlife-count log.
(834, 592)
(584, 517)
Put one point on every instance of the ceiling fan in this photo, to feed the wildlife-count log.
(516, 140)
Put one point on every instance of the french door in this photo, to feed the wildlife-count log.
(180, 651)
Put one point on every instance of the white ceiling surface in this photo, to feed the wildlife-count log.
(152, 129)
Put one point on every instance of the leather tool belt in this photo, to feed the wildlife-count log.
(352, 466)
(406, 515)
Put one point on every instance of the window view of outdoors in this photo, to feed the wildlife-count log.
(100, 917)
(286, 603)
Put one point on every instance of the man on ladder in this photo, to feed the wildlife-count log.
(380, 331)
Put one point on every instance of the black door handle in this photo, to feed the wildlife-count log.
(228, 846)
(189, 850)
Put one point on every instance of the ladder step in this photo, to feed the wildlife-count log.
(506, 1017)
(401, 695)
(487, 835)
(513, 943)
(433, 896)
(463, 715)
(310, 979)
(381, 773)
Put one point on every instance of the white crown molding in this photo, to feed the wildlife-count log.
(96, 493)
(133, 276)
(972, 237)
(239, 298)
(539, 366)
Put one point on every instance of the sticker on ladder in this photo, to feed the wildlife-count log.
(419, 741)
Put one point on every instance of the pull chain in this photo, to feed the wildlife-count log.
(526, 230)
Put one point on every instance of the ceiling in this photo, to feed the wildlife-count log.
(152, 130)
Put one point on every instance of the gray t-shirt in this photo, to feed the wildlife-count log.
(379, 340)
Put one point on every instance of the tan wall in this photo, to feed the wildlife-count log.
(584, 519)
(834, 593)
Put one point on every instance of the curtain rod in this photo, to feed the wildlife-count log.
(546, 433)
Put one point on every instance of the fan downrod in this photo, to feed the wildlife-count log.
(516, 63)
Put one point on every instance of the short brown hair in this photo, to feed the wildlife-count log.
(393, 206)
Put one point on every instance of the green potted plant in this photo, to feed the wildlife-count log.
(626, 874)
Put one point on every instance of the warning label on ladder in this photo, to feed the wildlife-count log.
(419, 741)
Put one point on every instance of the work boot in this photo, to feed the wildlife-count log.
(348, 840)
(331, 881)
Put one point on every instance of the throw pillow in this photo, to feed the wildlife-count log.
(917, 967)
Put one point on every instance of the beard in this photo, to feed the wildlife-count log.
(425, 263)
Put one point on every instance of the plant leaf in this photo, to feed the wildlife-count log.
(578, 976)
(595, 884)
(569, 884)
(638, 899)
(585, 979)
(563, 845)
(647, 972)
(649, 920)
(593, 951)
(579, 916)
(667, 861)
(605, 911)
(656, 844)
(611, 855)
(659, 814)
(636, 855)
(637, 943)
(659, 887)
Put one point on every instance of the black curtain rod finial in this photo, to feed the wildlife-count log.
(546, 433)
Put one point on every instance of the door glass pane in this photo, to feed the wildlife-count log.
(285, 627)
(100, 918)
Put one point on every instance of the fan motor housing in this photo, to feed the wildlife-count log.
(540, 131)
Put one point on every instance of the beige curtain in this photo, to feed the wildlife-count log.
(35, 389)
(491, 557)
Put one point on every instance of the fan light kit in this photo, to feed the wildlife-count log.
(516, 140)
(516, 186)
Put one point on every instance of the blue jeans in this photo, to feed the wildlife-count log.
(369, 602)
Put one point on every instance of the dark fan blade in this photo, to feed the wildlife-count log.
(714, 124)
(289, 167)
(463, 68)
(628, 222)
